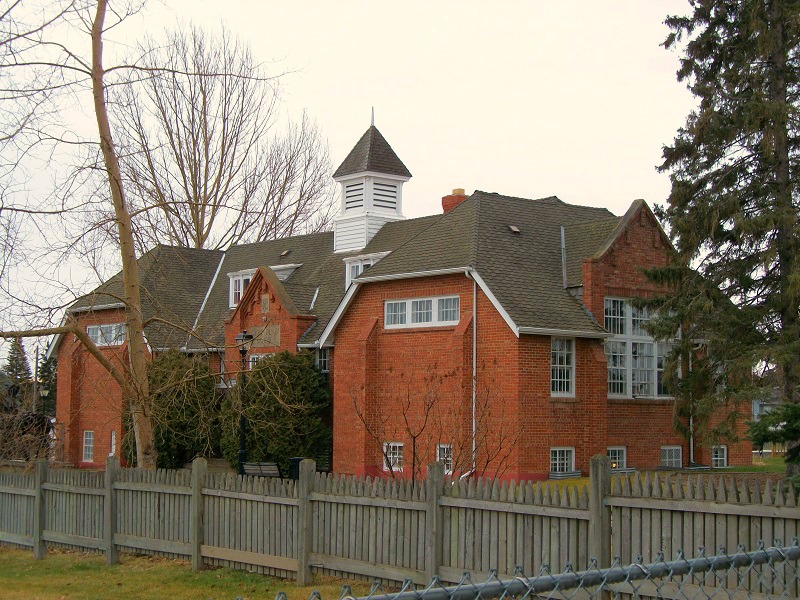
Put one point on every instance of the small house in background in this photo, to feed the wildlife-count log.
(496, 336)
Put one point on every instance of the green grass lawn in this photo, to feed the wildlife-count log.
(766, 464)
(73, 575)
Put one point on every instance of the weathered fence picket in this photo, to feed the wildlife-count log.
(388, 528)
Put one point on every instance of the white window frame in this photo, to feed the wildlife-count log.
(362, 263)
(719, 462)
(621, 460)
(558, 369)
(106, 334)
(323, 360)
(253, 359)
(554, 460)
(670, 462)
(113, 450)
(620, 355)
(392, 455)
(444, 455)
(88, 445)
(238, 276)
(409, 302)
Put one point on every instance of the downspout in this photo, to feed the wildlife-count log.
(474, 376)
(563, 258)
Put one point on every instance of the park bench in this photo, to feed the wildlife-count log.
(262, 469)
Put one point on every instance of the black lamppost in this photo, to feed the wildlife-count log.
(242, 340)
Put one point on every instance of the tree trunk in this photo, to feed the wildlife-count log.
(137, 393)
(786, 214)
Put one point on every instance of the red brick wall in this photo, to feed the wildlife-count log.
(642, 425)
(88, 398)
(580, 422)
(391, 375)
(249, 314)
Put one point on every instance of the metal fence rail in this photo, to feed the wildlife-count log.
(762, 573)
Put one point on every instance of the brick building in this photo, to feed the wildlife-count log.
(496, 336)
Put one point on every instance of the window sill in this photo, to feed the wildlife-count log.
(419, 329)
(650, 401)
(565, 475)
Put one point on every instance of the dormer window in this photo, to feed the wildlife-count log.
(356, 265)
(238, 285)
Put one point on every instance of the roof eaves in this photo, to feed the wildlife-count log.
(564, 332)
(412, 274)
(95, 307)
(495, 302)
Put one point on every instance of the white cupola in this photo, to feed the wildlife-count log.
(372, 178)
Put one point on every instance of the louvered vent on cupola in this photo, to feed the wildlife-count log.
(354, 195)
(384, 195)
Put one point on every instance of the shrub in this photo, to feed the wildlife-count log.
(285, 405)
(184, 408)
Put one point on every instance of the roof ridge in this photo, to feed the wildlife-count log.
(283, 239)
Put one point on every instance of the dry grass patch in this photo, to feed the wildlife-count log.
(75, 575)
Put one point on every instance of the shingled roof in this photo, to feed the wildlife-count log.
(523, 270)
(372, 153)
(190, 288)
(174, 285)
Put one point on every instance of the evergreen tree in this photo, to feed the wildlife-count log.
(48, 381)
(17, 367)
(733, 208)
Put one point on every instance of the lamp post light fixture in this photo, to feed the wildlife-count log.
(44, 393)
(242, 339)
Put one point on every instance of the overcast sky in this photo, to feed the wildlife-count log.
(574, 99)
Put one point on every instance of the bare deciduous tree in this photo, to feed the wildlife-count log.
(205, 167)
(429, 411)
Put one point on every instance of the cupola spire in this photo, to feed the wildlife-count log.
(372, 178)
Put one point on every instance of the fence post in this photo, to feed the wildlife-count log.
(305, 485)
(599, 513)
(110, 510)
(39, 547)
(196, 534)
(433, 523)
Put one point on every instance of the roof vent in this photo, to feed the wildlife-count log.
(514, 229)
(285, 253)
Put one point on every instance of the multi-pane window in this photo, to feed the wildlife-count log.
(396, 313)
(422, 312)
(323, 360)
(356, 268)
(444, 455)
(635, 360)
(562, 367)
(107, 335)
(88, 446)
(254, 359)
(562, 460)
(617, 357)
(672, 457)
(618, 457)
(448, 308)
(238, 286)
(392, 456)
(719, 457)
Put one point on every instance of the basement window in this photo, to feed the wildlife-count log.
(672, 457)
(618, 457)
(437, 311)
(393, 456)
(719, 457)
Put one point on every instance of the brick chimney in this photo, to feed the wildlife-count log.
(453, 200)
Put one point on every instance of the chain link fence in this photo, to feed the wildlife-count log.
(761, 573)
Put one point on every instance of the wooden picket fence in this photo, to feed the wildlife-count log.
(388, 529)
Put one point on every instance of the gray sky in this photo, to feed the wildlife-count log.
(534, 98)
